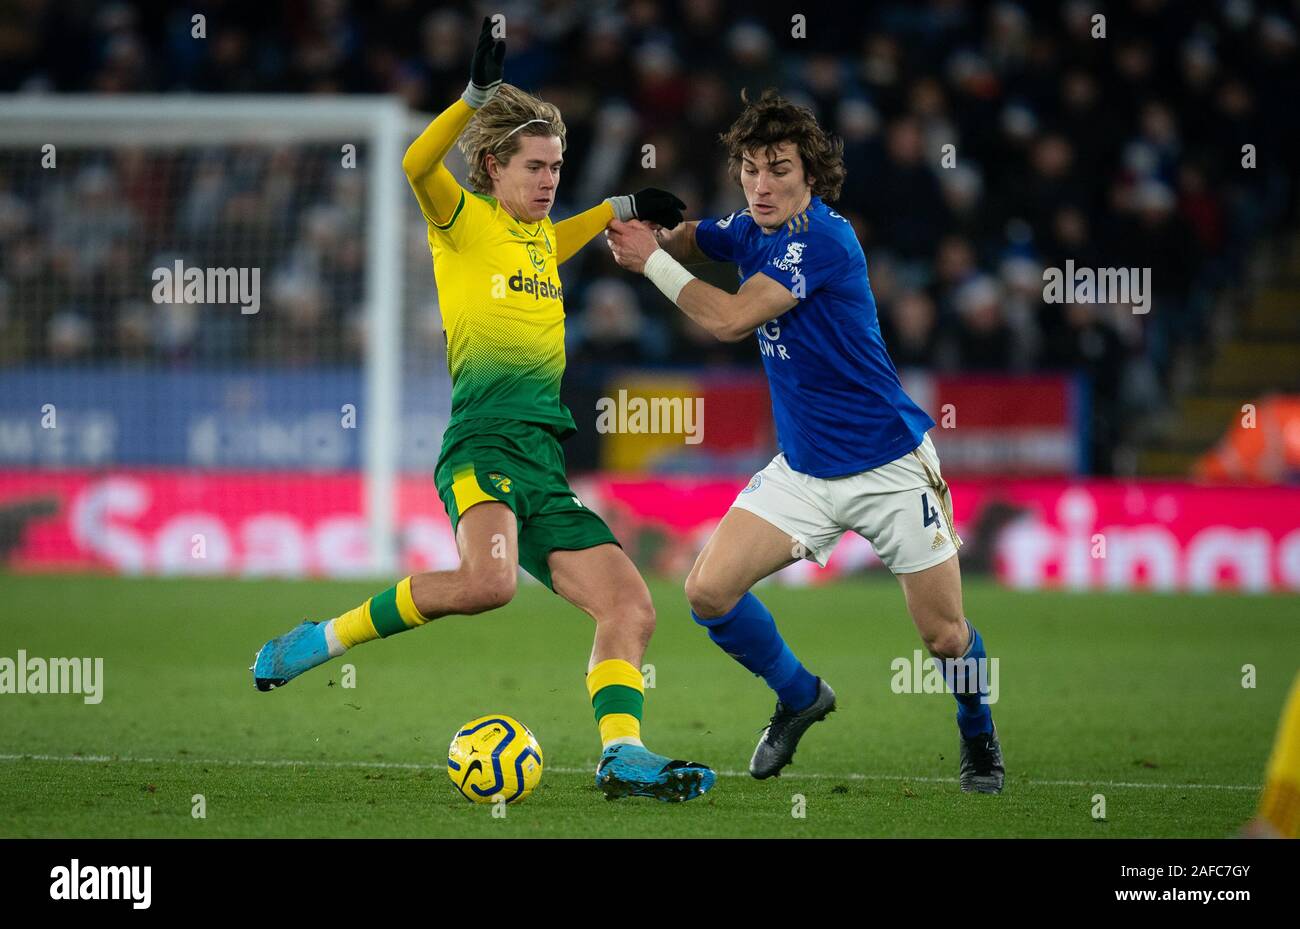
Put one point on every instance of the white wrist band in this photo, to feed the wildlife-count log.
(624, 210)
(477, 96)
(666, 274)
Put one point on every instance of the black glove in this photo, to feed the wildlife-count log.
(657, 206)
(486, 71)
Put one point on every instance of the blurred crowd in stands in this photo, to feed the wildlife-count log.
(1117, 151)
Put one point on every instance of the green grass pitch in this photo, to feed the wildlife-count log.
(1135, 697)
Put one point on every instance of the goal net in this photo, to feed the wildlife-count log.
(220, 349)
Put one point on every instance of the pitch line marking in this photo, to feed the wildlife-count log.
(413, 766)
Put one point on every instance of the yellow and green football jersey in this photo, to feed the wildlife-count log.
(503, 314)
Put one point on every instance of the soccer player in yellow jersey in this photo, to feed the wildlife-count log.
(496, 256)
(1279, 805)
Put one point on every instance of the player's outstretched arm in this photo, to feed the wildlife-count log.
(732, 317)
(434, 186)
(729, 317)
(650, 204)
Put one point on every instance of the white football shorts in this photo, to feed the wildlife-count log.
(903, 508)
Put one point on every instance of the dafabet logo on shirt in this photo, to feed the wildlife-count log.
(535, 286)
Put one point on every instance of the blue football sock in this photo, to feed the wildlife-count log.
(973, 715)
(748, 633)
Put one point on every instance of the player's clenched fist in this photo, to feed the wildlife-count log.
(632, 243)
(487, 70)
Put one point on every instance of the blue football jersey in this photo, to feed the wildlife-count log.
(836, 398)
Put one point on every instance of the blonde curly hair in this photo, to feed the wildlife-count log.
(494, 129)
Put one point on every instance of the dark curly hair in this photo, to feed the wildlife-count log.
(766, 123)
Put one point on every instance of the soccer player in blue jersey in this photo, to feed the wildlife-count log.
(854, 451)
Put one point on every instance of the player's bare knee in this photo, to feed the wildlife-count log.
(488, 589)
(946, 639)
(698, 595)
(644, 615)
(707, 598)
(493, 596)
(636, 613)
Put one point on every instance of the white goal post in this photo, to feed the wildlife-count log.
(379, 125)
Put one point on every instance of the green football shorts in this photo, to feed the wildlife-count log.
(521, 465)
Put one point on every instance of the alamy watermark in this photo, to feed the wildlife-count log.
(1098, 285)
(179, 284)
(657, 415)
(26, 675)
(103, 882)
(929, 675)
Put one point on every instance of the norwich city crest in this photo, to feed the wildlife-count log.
(535, 256)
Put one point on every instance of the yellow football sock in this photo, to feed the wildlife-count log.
(382, 615)
(617, 697)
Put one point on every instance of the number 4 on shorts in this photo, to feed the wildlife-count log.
(931, 515)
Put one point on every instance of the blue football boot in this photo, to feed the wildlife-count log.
(627, 770)
(285, 657)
